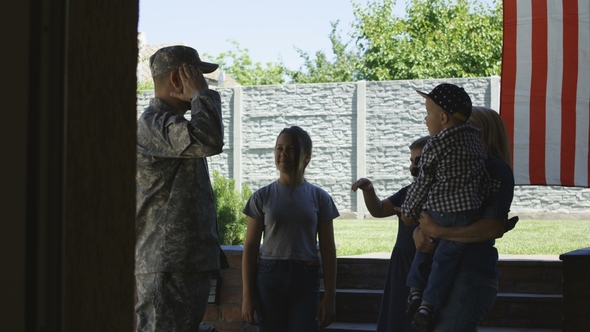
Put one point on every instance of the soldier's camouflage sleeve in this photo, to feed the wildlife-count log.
(163, 133)
(206, 125)
(176, 218)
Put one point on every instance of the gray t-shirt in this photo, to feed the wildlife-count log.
(290, 219)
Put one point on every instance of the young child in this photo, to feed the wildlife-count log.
(450, 187)
(282, 285)
(393, 303)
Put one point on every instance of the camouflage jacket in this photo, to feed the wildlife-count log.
(176, 219)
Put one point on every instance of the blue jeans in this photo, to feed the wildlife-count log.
(471, 296)
(444, 262)
(289, 295)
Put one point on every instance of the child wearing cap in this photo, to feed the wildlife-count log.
(450, 187)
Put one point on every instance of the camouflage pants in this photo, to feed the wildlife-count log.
(171, 302)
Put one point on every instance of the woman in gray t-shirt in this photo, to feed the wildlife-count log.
(281, 279)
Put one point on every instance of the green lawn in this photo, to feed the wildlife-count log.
(529, 237)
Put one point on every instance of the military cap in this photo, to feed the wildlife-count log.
(170, 58)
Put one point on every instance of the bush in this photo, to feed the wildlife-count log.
(144, 85)
(230, 203)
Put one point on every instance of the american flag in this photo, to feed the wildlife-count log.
(545, 92)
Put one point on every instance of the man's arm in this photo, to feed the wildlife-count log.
(479, 231)
(494, 222)
(206, 125)
(423, 242)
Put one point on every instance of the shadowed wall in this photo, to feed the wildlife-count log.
(69, 154)
(100, 166)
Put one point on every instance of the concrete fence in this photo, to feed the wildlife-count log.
(359, 129)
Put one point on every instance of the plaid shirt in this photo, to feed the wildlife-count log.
(452, 175)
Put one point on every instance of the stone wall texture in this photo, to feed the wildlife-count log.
(359, 129)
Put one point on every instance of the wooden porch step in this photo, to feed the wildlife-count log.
(367, 327)
(510, 309)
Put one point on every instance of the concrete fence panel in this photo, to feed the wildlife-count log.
(358, 129)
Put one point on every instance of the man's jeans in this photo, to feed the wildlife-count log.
(288, 294)
(471, 296)
(444, 262)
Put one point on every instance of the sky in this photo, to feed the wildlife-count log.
(270, 29)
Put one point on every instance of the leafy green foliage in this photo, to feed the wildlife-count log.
(230, 202)
(322, 70)
(238, 64)
(436, 39)
(145, 85)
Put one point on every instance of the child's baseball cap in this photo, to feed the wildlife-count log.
(452, 99)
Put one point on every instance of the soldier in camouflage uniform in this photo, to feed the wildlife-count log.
(176, 225)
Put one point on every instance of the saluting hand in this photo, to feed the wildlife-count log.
(192, 79)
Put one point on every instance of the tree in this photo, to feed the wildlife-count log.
(436, 39)
(238, 64)
(321, 70)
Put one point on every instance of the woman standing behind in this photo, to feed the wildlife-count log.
(281, 278)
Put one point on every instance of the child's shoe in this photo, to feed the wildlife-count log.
(424, 319)
(414, 301)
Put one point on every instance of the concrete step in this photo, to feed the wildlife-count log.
(358, 305)
(514, 329)
(525, 274)
(526, 311)
(351, 327)
(358, 327)
(510, 309)
(362, 273)
(530, 276)
(530, 296)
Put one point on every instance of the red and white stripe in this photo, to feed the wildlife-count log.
(545, 93)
